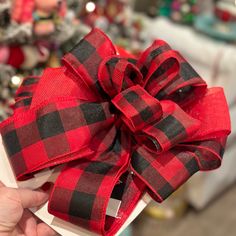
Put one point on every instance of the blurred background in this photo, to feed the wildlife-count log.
(34, 34)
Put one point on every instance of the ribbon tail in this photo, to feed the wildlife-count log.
(165, 173)
(83, 189)
(202, 150)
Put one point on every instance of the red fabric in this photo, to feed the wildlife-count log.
(16, 57)
(225, 15)
(106, 116)
(22, 11)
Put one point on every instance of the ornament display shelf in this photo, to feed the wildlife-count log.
(215, 61)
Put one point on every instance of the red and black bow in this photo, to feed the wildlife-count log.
(107, 116)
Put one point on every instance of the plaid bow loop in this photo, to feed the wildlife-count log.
(166, 126)
(117, 74)
(138, 108)
(167, 75)
(124, 83)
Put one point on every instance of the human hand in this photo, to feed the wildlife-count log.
(15, 218)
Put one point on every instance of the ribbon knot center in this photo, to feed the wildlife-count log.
(138, 108)
(117, 74)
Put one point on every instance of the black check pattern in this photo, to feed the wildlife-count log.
(85, 201)
(50, 125)
(25, 93)
(53, 130)
(118, 128)
(171, 127)
(12, 144)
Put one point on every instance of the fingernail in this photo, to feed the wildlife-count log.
(2, 184)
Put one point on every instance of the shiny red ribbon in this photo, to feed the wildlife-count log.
(108, 116)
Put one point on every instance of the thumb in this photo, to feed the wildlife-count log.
(31, 198)
(1, 184)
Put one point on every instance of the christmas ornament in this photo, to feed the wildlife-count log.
(221, 24)
(42, 15)
(225, 10)
(23, 57)
(11, 31)
(181, 11)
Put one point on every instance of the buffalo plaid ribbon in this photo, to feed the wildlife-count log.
(150, 121)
